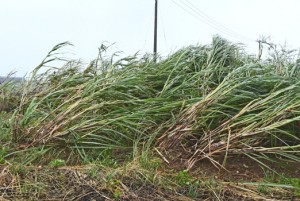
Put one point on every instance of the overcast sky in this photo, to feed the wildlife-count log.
(29, 29)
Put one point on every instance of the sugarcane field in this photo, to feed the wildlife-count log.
(209, 122)
(153, 100)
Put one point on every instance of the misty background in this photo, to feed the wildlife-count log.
(29, 29)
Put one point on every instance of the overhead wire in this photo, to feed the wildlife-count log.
(208, 20)
(163, 27)
(199, 18)
(147, 33)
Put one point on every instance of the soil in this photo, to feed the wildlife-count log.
(242, 168)
(74, 183)
(237, 168)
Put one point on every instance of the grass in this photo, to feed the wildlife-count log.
(154, 123)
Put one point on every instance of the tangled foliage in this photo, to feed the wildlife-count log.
(204, 100)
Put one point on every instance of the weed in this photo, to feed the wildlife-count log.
(294, 182)
(3, 153)
(113, 184)
(263, 189)
(284, 180)
(183, 178)
(57, 163)
(18, 169)
(193, 189)
(117, 194)
(93, 172)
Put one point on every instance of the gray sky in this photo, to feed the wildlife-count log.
(29, 29)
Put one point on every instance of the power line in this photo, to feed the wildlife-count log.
(207, 18)
(204, 15)
(199, 18)
(149, 26)
(212, 23)
(155, 30)
(163, 26)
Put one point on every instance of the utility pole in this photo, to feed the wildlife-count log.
(155, 31)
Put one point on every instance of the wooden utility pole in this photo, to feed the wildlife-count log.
(155, 31)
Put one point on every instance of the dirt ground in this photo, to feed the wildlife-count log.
(242, 168)
(76, 183)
